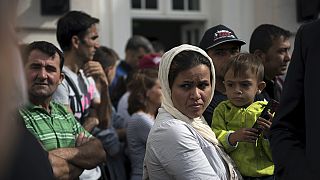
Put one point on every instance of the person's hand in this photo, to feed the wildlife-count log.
(81, 139)
(244, 135)
(265, 125)
(94, 69)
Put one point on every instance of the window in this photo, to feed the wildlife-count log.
(151, 4)
(189, 5)
(190, 32)
(144, 4)
(193, 5)
(136, 4)
(178, 4)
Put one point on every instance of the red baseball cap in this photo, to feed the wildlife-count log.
(150, 61)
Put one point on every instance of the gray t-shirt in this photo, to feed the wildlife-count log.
(137, 134)
(86, 88)
(122, 108)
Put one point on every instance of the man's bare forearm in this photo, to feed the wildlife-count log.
(86, 156)
(104, 109)
(62, 169)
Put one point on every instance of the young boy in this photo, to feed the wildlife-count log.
(234, 118)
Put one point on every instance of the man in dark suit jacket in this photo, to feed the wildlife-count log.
(295, 138)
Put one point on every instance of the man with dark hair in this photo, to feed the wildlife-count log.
(71, 148)
(137, 46)
(271, 43)
(74, 26)
(42, 46)
(78, 37)
(221, 43)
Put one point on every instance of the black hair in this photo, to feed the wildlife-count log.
(105, 56)
(137, 41)
(263, 36)
(186, 60)
(158, 46)
(242, 62)
(71, 24)
(45, 47)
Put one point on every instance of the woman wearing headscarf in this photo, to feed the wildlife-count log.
(181, 145)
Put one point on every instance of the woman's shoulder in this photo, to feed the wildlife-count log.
(140, 115)
(140, 118)
(166, 122)
(171, 130)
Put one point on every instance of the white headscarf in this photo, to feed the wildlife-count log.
(199, 123)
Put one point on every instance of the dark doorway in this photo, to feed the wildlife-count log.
(168, 32)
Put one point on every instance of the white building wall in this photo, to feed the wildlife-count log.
(243, 16)
(116, 18)
(119, 26)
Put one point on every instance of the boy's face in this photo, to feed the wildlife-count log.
(241, 90)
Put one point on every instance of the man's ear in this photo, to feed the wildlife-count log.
(261, 86)
(108, 70)
(260, 54)
(75, 41)
(61, 77)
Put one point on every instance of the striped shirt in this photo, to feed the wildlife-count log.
(55, 130)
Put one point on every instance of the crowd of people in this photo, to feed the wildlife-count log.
(191, 112)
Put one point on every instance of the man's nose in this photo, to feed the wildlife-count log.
(43, 74)
(287, 56)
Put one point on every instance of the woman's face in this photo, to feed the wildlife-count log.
(191, 91)
(154, 94)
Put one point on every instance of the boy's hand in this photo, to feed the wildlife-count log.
(244, 135)
(265, 125)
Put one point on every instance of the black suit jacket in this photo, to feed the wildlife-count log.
(295, 132)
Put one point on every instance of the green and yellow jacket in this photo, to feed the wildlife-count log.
(252, 159)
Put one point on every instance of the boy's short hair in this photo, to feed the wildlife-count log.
(244, 61)
(106, 56)
(71, 24)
